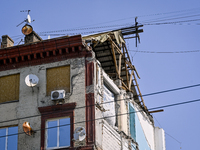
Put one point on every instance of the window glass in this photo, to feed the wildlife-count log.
(64, 139)
(132, 121)
(2, 139)
(58, 133)
(52, 134)
(9, 142)
(12, 140)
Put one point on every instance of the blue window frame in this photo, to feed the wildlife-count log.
(58, 133)
(132, 121)
(8, 138)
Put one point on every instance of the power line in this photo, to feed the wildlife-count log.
(154, 52)
(168, 133)
(172, 22)
(181, 88)
(156, 20)
(111, 101)
(165, 106)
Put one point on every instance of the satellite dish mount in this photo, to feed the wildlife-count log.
(27, 28)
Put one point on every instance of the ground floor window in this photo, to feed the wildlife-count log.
(8, 138)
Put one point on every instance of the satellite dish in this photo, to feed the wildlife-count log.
(31, 80)
(27, 29)
(28, 18)
(79, 134)
(27, 128)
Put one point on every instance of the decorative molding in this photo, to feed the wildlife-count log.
(46, 51)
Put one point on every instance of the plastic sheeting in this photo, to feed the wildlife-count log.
(102, 37)
(109, 106)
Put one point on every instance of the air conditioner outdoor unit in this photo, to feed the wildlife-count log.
(57, 95)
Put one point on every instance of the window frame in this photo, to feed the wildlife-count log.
(6, 136)
(58, 133)
(56, 112)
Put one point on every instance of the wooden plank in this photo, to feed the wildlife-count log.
(120, 61)
(114, 57)
(129, 87)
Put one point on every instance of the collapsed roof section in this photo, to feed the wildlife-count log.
(110, 50)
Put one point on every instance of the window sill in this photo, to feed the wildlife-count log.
(10, 102)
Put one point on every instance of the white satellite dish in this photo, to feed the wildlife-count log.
(79, 134)
(31, 80)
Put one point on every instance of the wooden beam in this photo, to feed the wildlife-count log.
(139, 91)
(114, 57)
(131, 77)
(120, 61)
(155, 111)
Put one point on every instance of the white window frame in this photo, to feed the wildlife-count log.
(46, 133)
(6, 141)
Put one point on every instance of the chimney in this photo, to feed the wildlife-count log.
(33, 37)
(6, 41)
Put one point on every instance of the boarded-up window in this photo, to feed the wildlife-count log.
(58, 79)
(9, 88)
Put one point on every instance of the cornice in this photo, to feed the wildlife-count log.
(46, 51)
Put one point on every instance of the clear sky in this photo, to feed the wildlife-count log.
(158, 71)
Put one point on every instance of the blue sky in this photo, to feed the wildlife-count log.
(158, 71)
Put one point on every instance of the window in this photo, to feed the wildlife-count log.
(58, 122)
(9, 88)
(132, 121)
(58, 133)
(8, 138)
(58, 79)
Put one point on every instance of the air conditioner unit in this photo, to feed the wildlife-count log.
(57, 95)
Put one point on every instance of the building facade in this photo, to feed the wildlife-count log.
(98, 97)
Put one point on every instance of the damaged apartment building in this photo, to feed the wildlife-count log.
(73, 92)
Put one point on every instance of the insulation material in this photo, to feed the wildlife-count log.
(58, 79)
(109, 106)
(102, 37)
(9, 88)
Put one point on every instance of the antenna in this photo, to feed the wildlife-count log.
(136, 29)
(28, 18)
(26, 29)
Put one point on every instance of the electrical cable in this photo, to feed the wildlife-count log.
(111, 101)
(167, 133)
(150, 21)
(164, 106)
(161, 23)
(154, 52)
